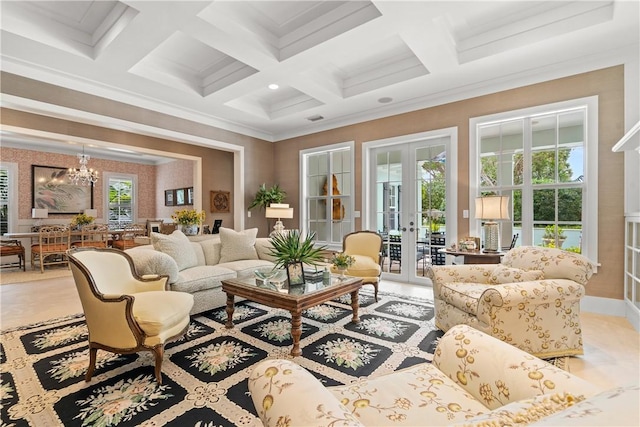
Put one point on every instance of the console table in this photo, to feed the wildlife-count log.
(476, 257)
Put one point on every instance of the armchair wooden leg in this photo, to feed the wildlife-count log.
(158, 351)
(92, 363)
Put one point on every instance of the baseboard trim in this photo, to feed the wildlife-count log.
(612, 307)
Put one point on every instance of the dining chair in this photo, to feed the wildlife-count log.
(93, 236)
(52, 246)
(127, 238)
(12, 248)
(126, 313)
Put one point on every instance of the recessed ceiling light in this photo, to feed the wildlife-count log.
(273, 86)
(385, 100)
(315, 118)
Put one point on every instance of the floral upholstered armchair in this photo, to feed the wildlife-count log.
(531, 300)
(474, 380)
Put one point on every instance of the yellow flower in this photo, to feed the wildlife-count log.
(342, 260)
(82, 219)
(188, 216)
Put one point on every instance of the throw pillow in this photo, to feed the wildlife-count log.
(177, 246)
(237, 245)
(502, 275)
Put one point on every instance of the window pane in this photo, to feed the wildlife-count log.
(489, 171)
(570, 204)
(544, 205)
(543, 167)
(544, 132)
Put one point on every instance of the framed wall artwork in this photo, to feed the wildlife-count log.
(169, 198)
(180, 197)
(220, 201)
(52, 190)
(189, 192)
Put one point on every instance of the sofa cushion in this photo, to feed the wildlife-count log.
(246, 267)
(556, 263)
(202, 277)
(159, 311)
(149, 261)
(237, 245)
(420, 395)
(364, 266)
(502, 275)
(177, 246)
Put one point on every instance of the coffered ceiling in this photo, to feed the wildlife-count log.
(335, 62)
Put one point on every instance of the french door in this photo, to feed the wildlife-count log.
(412, 202)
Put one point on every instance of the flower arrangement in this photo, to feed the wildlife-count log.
(342, 260)
(81, 219)
(188, 216)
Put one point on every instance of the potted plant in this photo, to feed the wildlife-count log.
(265, 196)
(342, 262)
(291, 249)
(551, 233)
(188, 220)
(81, 219)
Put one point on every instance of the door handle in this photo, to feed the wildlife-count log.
(404, 228)
(411, 229)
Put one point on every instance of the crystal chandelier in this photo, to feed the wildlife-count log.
(84, 175)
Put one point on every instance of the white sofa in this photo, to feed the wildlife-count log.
(198, 264)
(474, 380)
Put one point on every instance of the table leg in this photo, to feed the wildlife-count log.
(230, 308)
(354, 306)
(296, 331)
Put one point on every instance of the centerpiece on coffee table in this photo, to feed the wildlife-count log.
(291, 251)
(342, 262)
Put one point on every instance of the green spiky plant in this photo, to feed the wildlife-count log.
(289, 247)
(265, 196)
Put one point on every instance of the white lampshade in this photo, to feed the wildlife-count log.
(492, 207)
(91, 212)
(279, 210)
(39, 213)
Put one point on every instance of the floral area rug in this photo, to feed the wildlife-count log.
(42, 366)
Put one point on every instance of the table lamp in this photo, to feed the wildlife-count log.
(279, 211)
(39, 215)
(491, 209)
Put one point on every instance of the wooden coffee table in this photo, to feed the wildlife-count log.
(295, 299)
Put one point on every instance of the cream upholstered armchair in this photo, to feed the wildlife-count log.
(530, 300)
(366, 247)
(126, 313)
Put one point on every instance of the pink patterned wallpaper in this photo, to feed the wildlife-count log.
(173, 175)
(150, 191)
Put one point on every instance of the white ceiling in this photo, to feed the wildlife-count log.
(346, 61)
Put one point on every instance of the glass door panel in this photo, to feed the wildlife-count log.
(410, 206)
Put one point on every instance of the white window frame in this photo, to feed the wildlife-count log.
(328, 149)
(590, 200)
(106, 177)
(12, 211)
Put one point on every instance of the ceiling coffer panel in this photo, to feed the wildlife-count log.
(192, 65)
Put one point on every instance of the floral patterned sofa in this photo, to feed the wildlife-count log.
(474, 380)
(530, 300)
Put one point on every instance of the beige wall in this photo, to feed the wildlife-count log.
(260, 165)
(607, 84)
